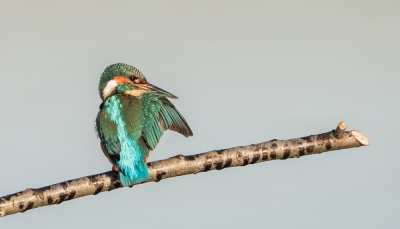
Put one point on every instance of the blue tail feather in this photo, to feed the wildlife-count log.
(131, 163)
(127, 181)
(133, 172)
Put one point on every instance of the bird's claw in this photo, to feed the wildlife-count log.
(115, 168)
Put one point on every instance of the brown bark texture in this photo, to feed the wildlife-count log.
(182, 165)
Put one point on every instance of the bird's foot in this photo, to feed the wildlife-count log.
(115, 168)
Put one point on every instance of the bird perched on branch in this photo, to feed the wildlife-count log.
(132, 118)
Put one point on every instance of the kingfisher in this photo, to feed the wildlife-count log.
(133, 116)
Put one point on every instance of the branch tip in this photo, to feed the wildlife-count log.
(360, 137)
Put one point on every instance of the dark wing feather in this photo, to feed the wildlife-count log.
(172, 119)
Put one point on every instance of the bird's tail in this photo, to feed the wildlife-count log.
(132, 167)
(127, 180)
(134, 173)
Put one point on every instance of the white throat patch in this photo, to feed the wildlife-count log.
(110, 87)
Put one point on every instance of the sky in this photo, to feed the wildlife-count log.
(244, 71)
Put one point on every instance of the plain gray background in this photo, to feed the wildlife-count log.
(245, 72)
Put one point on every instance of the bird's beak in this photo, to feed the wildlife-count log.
(159, 91)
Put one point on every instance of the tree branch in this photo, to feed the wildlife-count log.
(183, 165)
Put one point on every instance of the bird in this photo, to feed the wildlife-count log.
(133, 116)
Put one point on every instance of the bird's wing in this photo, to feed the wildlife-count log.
(159, 115)
(107, 132)
(172, 119)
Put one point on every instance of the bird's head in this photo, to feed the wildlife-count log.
(126, 79)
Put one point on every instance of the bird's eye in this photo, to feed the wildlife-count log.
(134, 79)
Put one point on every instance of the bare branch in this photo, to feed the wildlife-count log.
(183, 165)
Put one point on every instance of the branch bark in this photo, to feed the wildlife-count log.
(182, 165)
